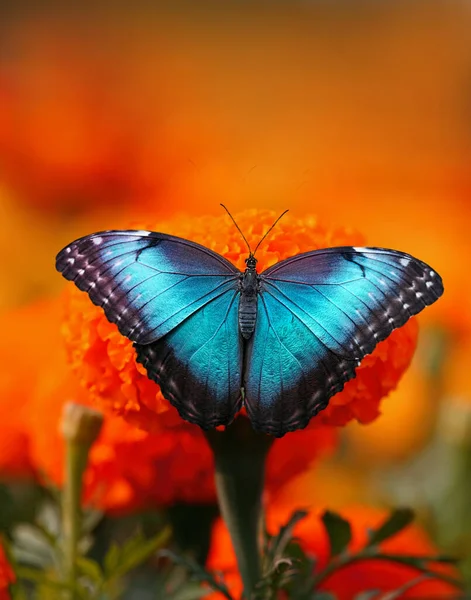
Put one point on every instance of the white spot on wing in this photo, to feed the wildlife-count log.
(358, 249)
(404, 261)
(429, 284)
(97, 241)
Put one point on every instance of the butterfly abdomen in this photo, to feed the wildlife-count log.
(248, 303)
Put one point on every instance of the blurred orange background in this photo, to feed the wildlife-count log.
(359, 113)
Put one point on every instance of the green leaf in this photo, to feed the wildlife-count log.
(419, 560)
(49, 518)
(277, 544)
(112, 559)
(41, 578)
(90, 520)
(139, 550)
(398, 520)
(191, 591)
(17, 592)
(338, 530)
(90, 569)
(119, 560)
(197, 572)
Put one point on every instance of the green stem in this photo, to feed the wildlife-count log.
(76, 462)
(240, 455)
(80, 428)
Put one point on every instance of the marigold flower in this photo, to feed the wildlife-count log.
(105, 360)
(351, 580)
(128, 468)
(7, 576)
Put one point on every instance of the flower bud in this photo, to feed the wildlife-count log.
(80, 424)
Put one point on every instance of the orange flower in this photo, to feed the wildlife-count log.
(105, 360)
(351, 580)
(7, 576)
(128, 468)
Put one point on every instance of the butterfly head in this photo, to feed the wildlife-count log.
(251, 261)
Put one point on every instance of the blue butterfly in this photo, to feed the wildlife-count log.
(281, 342)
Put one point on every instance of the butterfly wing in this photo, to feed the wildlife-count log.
(146, 282)
(198, 364)
(319, 314)
(177, 301)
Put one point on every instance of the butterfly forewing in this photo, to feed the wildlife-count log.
(319, 314)
(178, 302)
(146, 282)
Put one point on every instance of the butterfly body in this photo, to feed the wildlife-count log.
(281, 342)
(249, 287)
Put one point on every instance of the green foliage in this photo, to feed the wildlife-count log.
(35, 551)
(287, 567)
(197, 573)
(338, 530)
(396, 522)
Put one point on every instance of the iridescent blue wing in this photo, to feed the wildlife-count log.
(174, 299)
(198, 364)
(319, 314)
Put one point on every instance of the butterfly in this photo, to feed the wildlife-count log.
(281, 342)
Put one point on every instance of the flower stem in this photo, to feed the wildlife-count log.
(80, 428)
(76, 460)
(240, 455)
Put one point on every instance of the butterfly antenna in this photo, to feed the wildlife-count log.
(239, 229)
(282, 214)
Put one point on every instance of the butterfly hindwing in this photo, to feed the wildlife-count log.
(198, 364)
(290, 372)
(319, 314)
(146, 282)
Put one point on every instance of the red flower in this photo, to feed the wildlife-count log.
(7, 576)
(351, 580)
